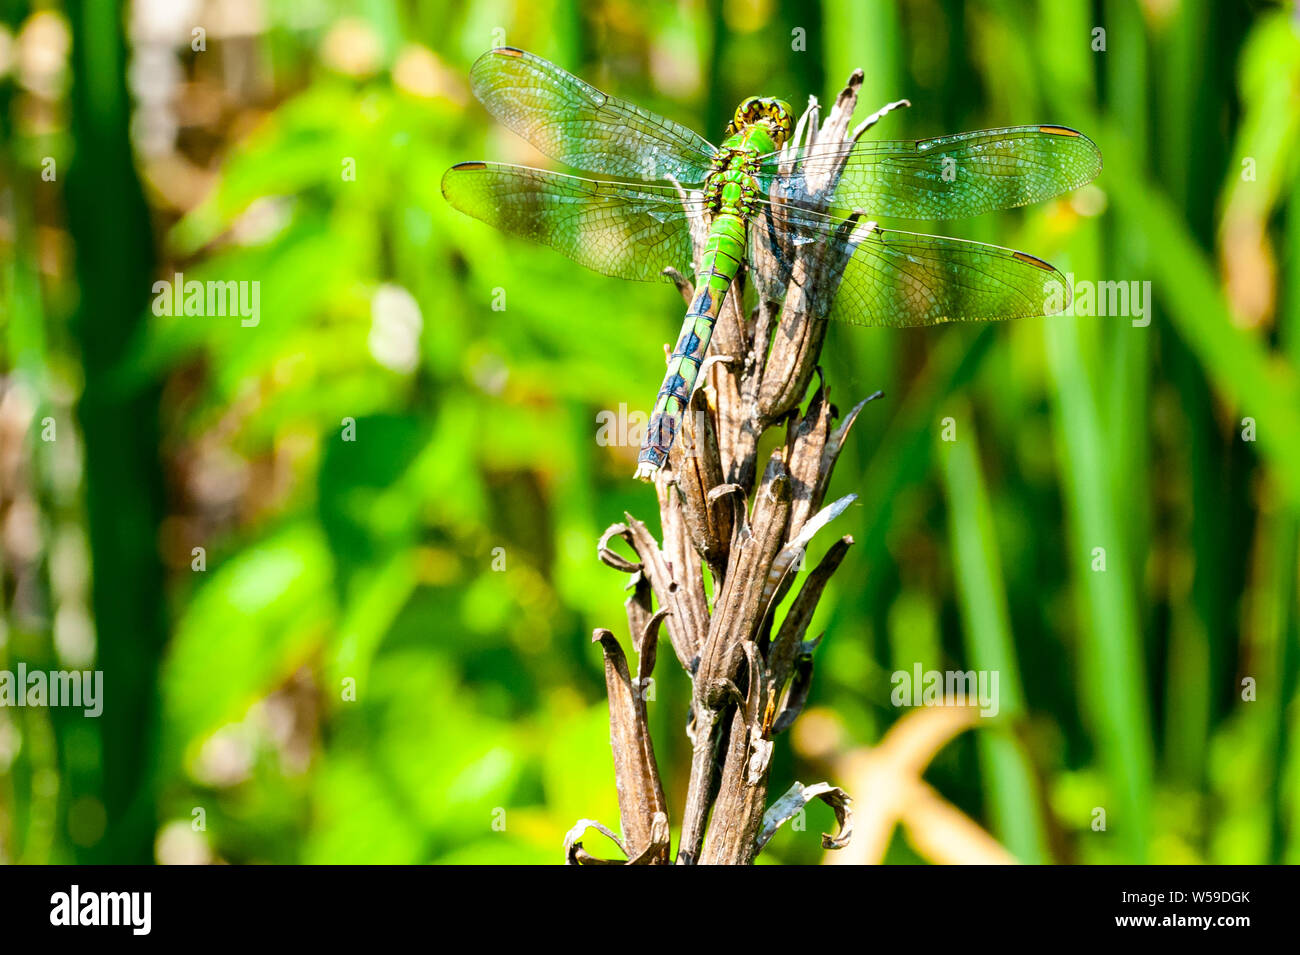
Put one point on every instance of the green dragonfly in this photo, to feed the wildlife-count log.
(757, 194)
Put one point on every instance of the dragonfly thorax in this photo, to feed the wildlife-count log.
(733, 188)
(760, 127)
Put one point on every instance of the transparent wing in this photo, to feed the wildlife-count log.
(949, 177)
(873, 276)
(627, 230)
(577, 124)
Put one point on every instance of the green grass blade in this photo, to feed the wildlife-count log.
(1012, 795)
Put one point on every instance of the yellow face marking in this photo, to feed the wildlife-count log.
(773, 113)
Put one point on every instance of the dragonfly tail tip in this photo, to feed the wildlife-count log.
(645, 471)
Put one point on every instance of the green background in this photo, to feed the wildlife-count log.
(386, 655)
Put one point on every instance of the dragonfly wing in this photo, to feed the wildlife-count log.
(949, 177)
(577, 124)
(627, 230)
(903, 279)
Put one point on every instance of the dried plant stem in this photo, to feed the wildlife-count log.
(750, 534)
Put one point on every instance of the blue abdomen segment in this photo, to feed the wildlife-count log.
(723, 254)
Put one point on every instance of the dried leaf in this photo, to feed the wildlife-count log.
(789, 639)
(797, 697)
(779, 576)
(834, 445)
(609, 557)
(647, 647)
(683, 284)
(798, 796)
(636, 773)
(573, 851)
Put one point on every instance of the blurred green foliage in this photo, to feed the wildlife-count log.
(382, 653)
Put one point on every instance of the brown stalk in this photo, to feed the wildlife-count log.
(749, 533)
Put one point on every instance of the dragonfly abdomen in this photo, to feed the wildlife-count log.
(723, 254)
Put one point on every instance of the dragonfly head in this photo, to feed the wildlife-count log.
(767, 111)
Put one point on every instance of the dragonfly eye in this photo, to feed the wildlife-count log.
(781, 120)
(776, 115)
(745, 115)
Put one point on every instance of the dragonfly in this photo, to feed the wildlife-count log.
(756, 195)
